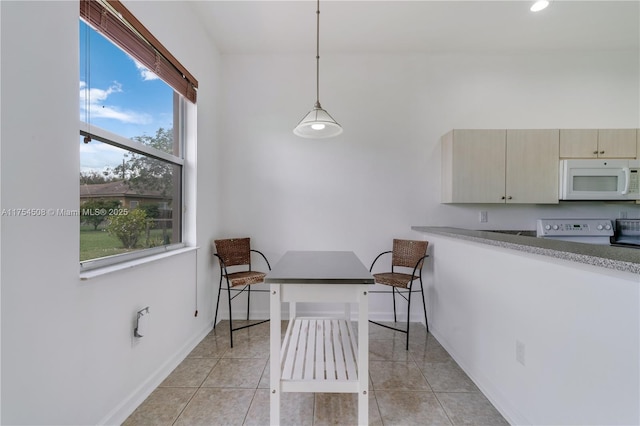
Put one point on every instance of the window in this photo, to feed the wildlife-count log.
(131, 138)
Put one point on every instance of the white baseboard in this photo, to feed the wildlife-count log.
(123, 410)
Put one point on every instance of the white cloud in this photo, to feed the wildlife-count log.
(98, 95)
(97, 156)
(145, 72)
(94, 99)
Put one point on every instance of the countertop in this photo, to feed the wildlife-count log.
(618, 258)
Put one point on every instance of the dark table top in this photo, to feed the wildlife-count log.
(318, 267)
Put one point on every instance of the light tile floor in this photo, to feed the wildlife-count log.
(219, 385)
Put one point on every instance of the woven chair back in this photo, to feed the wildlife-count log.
(407, 252)
(234, 251)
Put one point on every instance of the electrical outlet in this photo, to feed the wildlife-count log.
(520, 350)
(484, 216)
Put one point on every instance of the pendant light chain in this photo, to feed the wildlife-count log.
(318, 56)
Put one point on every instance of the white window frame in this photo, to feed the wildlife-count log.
(116, 140)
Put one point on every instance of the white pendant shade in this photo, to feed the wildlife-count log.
(317, 124)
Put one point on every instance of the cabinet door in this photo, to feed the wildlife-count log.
(617, 143)
(532, 166)
(473, 166)
(577, 143)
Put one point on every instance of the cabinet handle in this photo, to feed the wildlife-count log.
(503, 197)
(509, 197)
(595, 152)
(601, 152)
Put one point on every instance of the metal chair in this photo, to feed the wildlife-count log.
(406, 254)
(234, 255)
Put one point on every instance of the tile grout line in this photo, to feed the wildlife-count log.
(431, 387)
(443, 409)
(185, 407)
(375, 396)
(195, 393)
(199, 387)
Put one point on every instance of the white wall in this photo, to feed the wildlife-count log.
(67, 353)
(68, 356)
(382, 175)
(580, 326)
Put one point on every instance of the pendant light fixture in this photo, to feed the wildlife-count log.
(317, 123)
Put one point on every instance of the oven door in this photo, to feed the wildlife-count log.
(594, 180)
(627, 233)
(626, 243)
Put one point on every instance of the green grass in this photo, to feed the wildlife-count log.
(98, 243)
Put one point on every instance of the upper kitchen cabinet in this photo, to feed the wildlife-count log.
(500, 166)
(532, 172)
(473, 167)
(617, 143)
(602, 143)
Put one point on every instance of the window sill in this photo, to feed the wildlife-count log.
(98, 272)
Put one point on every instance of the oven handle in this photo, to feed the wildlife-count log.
(627, 176)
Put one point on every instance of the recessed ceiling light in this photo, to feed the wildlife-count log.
(539, 5)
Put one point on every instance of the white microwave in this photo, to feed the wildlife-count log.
(599, 179)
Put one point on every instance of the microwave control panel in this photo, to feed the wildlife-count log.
(634, 181)
(574, 227)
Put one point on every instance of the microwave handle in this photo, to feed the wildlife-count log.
(627, 177)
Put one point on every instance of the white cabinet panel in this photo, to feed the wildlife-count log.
(473, 166)
(532, 166)
(500, 166)
(598, 143)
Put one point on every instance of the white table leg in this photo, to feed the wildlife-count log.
(363, 356)
(274, 353)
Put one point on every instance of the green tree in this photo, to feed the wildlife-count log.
(94, 177)
(145, 173)
(152, 210)
(94, 212)
(128, 228)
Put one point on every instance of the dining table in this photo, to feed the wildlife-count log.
(319, 353)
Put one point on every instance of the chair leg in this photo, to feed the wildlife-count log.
(230, 316)
(393, 292)
(408, 316)
(424, 305)
(215, 317)
(248, 300)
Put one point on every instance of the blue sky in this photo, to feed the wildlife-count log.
(120, 95)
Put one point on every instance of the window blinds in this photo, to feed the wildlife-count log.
(117, 23)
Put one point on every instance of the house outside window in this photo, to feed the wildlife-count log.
(131, 140)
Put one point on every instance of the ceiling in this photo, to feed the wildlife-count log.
(419, 26)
